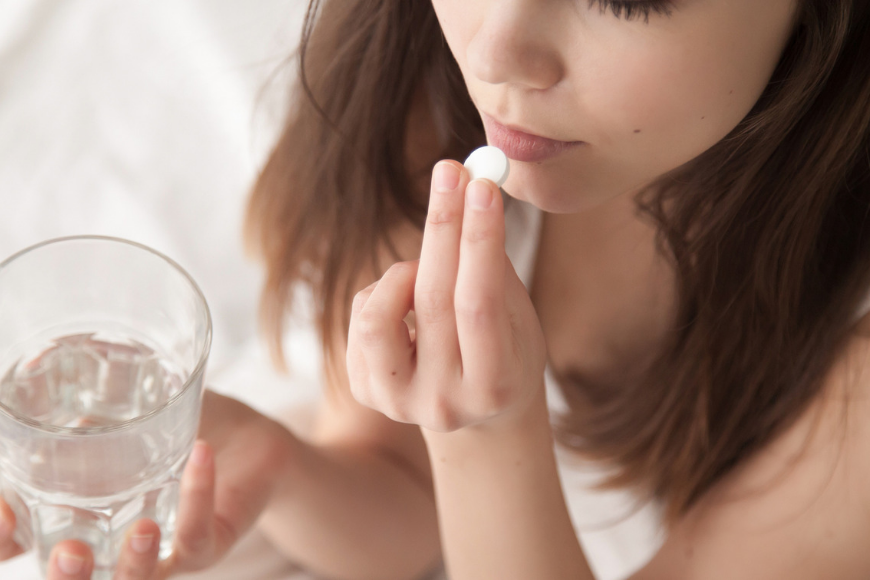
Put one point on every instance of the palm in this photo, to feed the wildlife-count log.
(226, 484)
(246, 462)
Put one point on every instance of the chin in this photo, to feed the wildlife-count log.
(575, 190)
(550, 194)
(549, 204)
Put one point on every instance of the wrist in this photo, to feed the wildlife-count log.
(523, 425)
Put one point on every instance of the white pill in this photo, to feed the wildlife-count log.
(488, 163)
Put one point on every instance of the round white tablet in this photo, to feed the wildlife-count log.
(489, 163)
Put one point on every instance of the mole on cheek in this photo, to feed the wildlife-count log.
(637, 130)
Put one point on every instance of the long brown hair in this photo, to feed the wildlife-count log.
(767, 230)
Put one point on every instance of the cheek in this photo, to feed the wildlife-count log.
(457, 22)
(646, 112)
(675, 104)
(668, 102)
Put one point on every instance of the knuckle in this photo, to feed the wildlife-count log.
(440, 217)
(359, 300)
(476, 312)
(360, 392)
(494, 399)
(370, 327)
(192, 539)
(443, 417)
(400, 269)
(383, 401)
(432, 305)
(397, 412)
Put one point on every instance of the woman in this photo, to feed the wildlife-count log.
(701, 173)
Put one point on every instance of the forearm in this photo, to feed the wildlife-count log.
(500, 503)
(352, 513)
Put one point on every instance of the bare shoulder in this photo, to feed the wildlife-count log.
(800, 509)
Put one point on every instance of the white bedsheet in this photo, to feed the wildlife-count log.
(137, 119)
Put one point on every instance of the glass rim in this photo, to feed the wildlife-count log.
(188, 382)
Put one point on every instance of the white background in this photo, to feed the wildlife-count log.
(148, 119)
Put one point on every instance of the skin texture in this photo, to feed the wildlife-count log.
(646, 98)
(563, 70)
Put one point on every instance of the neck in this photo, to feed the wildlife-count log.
(604, 293)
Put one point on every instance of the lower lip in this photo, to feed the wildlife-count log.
(521, 146)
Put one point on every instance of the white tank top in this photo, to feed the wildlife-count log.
(619, 534)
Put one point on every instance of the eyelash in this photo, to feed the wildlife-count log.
(634, 10)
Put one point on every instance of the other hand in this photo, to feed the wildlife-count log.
(226, 484)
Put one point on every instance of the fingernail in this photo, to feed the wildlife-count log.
(446, 176)
(70, 564)
(199, 455)
(479, 194)
(141, 544)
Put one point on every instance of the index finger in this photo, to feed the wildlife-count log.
(436, 276)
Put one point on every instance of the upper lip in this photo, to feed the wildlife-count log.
(519, 129)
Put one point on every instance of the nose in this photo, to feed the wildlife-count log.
(515, 44)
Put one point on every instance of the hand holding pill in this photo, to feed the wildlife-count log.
(477, 353)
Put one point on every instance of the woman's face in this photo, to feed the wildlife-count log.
(642, 96)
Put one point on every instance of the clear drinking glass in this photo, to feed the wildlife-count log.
(103, 347)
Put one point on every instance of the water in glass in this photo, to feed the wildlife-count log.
(93, 485)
